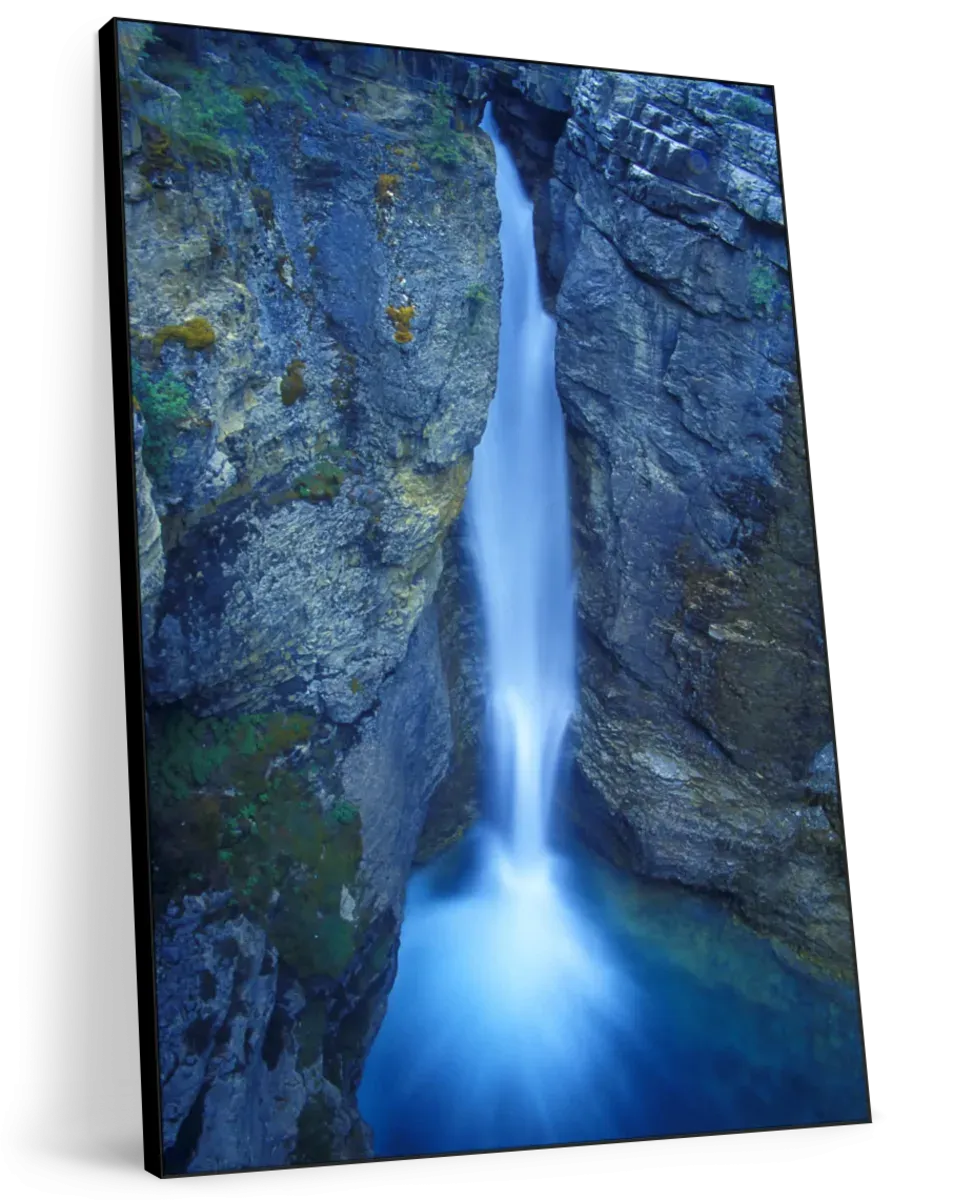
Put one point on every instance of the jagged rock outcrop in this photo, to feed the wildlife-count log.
(351, 447)
(704, 716)
(314, 280)
(240, 1048)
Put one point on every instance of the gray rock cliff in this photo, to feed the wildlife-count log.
(314, 279)
(704, 692)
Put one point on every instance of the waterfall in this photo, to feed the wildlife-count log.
(506, 991)
(518, 519)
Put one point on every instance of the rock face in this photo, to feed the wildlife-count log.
(314, 279)
(705, 715)
(454, 806)
(333, 456)
(240, 1063)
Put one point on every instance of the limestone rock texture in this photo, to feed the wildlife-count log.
(704, 719)
(314, 280)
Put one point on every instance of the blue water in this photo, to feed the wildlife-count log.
(607, 1009)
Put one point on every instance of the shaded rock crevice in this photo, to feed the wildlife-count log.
(455, 804)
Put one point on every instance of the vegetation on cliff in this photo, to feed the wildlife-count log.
(251, 804)
(164, 402)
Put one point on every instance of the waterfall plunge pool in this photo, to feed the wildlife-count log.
(581, 1005)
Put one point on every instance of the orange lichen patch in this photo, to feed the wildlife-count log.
(401, 319)
(385, 190)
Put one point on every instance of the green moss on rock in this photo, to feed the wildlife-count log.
(164, 402)
(322, 483)
(234, 807)
(762, 288)
(254, 94)
(211, 115)
(158, 155)
(307, 926)
(444, 145)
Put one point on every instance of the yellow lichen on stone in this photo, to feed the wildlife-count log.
(293, 386)
(233, 423)
(385, 190)
(435, 497)
(408, 595)
(196, 333)
(401, 319)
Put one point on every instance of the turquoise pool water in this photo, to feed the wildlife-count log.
(581, 1005)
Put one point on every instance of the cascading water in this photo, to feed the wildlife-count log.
(539, 999)
(518, 517)
(507, 976)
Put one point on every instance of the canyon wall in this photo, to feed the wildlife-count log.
(704, 738)
(314, 281)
